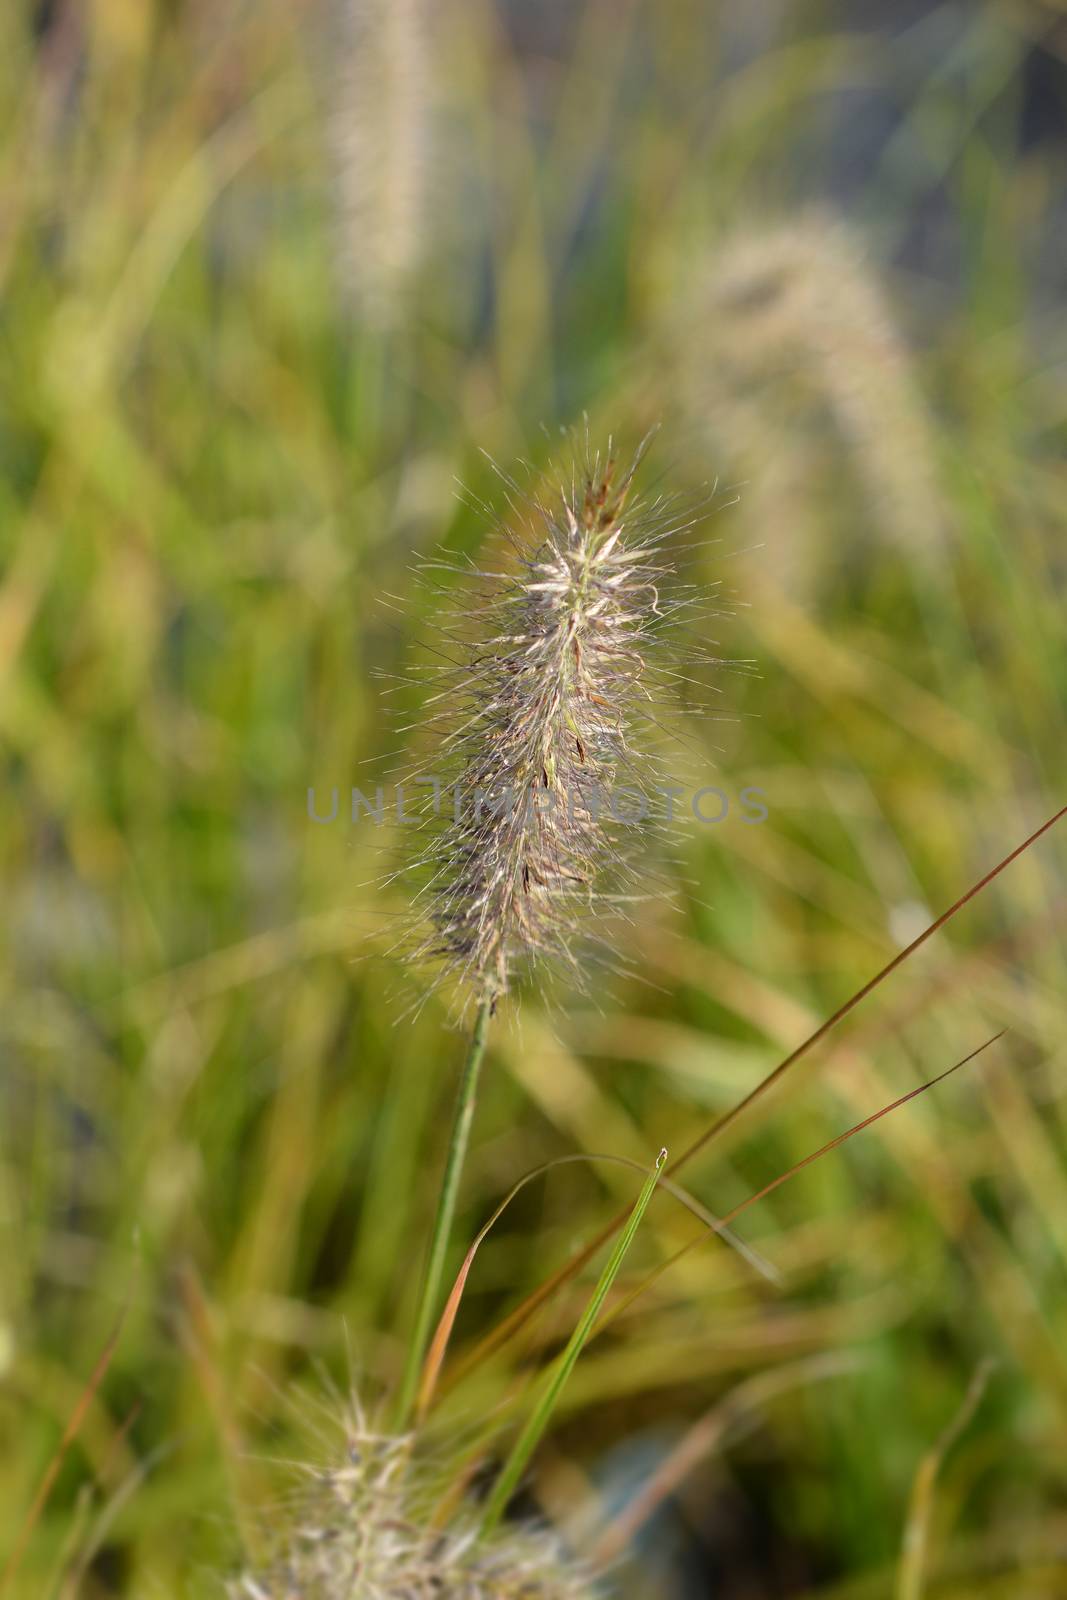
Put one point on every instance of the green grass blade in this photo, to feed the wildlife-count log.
(446, 1210)
(528, 1439)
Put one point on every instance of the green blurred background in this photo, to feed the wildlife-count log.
(273, 278)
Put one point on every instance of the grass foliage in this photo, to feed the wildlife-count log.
(214, 462)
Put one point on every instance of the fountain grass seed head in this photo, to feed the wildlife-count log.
(378, 134)
(362, 1528)
(791, 363)
(550, 707)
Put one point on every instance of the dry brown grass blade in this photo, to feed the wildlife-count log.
(523, 1312)
(766, 1084)
(858, 1127)
(791, 1172)
(435, 1355)
(59, 1455)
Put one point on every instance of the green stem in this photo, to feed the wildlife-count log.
(446, 1207)
(524, 1446)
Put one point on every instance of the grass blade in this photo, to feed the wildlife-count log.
(446, 1210)
(439, 1344)
(527, 1441)
(912, 1573)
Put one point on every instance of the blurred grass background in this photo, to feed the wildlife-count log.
(273, 277)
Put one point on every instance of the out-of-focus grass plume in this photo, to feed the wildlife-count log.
(790, 338)
(380, 131)
(823, 244)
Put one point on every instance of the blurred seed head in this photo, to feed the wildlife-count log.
(798, 373)
(378, 133)
(547, 710)
(361, 1526)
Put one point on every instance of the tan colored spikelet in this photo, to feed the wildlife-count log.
(801, 379)
(378, 136)
(359, 1527)
(546, 712)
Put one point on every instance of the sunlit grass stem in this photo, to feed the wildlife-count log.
(446, 1208)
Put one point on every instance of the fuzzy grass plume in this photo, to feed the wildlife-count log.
(361, 1528)
(378, 135)
(796, 368)
(548, 712)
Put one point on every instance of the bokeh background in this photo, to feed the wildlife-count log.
(275, 277)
